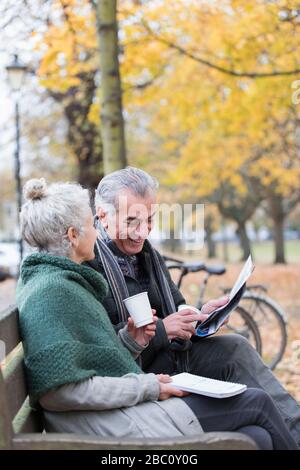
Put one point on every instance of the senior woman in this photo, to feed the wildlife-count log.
(80, 371)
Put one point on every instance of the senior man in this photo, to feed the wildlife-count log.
(125, 204)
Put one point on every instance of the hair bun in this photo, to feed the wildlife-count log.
(35, 189)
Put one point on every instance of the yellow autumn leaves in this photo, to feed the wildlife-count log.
(188, 88)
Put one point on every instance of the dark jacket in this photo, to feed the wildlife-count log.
(160, 341)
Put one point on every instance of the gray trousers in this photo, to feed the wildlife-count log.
(253, 412)
(231, 357)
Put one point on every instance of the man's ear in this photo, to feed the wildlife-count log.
(73, 236)
(102, 217)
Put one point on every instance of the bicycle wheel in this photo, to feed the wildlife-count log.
(241, 323)
(271, 322)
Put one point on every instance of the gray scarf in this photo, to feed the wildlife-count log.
(119, 289)
(117, 282)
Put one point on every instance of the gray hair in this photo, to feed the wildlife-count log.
(50, 211)
(134, 179)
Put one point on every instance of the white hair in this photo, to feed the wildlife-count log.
(134, 179)
(50, 211)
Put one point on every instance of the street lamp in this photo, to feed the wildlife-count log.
(16, 73)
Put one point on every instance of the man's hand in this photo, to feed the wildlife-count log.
(212, 305)
(180, 324)
(166, 389)
(144, 334)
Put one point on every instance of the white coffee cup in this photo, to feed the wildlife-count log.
(139, 308)
(190, 307)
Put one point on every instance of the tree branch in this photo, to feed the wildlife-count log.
(207, 63)
(142, 86)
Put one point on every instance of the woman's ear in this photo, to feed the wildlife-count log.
(73, 236)
(102, 217)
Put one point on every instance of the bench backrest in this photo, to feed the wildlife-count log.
(15, 413)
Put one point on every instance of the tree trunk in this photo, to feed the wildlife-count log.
(174, 243)
(224, 242)
(244, 240)
(112, 122)
(89, 172)
(211, 245)
(83, 136)
(278, 217)
(279, 241)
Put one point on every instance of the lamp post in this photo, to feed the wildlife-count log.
(16, 73)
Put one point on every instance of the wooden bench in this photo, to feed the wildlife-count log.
(21, 427)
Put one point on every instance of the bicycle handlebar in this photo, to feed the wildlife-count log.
(261, 287)
(174, 260)
(188, 267)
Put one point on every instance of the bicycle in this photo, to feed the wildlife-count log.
(271, 321)
(253, 318)
(241, 322)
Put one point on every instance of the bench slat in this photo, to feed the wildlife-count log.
(21, 417)
(12, 361)
(14, 378)
(6, 432)
(206, 441)
(9, 329)
(27, 420)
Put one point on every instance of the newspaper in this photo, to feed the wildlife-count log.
(216, 319)
(206, 386)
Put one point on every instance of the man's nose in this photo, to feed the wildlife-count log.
(142, 230)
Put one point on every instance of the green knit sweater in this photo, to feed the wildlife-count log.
(67, 335)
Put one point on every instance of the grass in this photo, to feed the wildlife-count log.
(263, 252)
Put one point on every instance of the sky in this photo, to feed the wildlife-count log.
(6, 118)
(16, 25)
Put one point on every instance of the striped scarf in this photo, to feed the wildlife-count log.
(116, 281)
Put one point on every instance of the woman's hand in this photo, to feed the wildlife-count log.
(144, 334)
(166, 389)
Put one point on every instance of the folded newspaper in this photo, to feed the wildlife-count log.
(216, 319)
(205, 386)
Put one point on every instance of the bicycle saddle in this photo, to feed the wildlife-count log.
(194, 267)
(215, 270)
